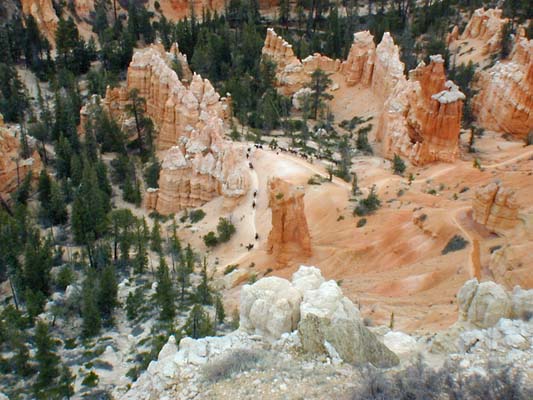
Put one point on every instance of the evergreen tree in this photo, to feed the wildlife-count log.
(134, 302)
(47, 360)
(398, 165)
(220, 314)
(319, 84)
(13, 99)
(66, 383)
(165, 292)
(107, 292)
(156, 243)
(225, 230)
(89, 308)
(198, 324)
(203, 291)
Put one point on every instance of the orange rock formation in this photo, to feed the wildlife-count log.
(13, 168)
(505, 99)
(289, 225)
(379, 67)
(495, 207)
(199, 164)
(44, 14)
(484, 25)
(422, 117)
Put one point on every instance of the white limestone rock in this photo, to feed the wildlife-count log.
(399, 342)
(270, 307)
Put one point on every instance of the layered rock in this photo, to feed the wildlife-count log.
(495, 207)
(14, 168)
(484, 25)
(511, 264)
(189, 117)
(421, 119)
(289, 233)
(328, 322)
(45, 16)
(377, 67)
(505, 99)
(483, 304)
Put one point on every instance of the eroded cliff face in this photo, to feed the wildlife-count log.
(189, 118)
(495, 207)
(505, 99)
(377, 67)
(289, 233)
(44, 14)
(14, 168)
(485, 26)
(421, 119)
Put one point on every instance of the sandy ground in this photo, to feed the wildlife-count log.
(390, 265)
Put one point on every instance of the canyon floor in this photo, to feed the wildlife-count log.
(392, 264)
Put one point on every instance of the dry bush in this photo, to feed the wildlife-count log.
(232, 363)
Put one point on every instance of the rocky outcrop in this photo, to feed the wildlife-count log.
(484, 25)
(328, 323)
(44, 14)
(289, 233)
(421, 119)
(14, 168)
(189, 118)
(377, 67)
(511, 264)
(495, 207)
(270, 307)
(505, 99)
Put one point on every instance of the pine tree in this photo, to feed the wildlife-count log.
(220, 314)
(319, 84)
(203, 292)
(107, 292)
(66, 383)
(398, 165)
(165, 292)
(198, 324)
(89, 309)
(47, 360)
(156, 243)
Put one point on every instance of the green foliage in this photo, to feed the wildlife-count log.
(203, 291)
(151, 173)
(165, 292)
(230, 268)
(361, 222)
(319, 85)
(89, 307)
(65, 277)
(398, 166)
(456, 243)
(225, 230)
(134, 302)
(220, 313)
(210, 239)
(47, 360)
(156, 243)
(196, 215)
(90, 380)
(369, 204)
(13, 99)
(198, 324)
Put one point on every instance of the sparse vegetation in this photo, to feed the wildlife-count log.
(232, 363)
(456, 243)
(368, 205)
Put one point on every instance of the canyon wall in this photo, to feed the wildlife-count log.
(198, 163)
(421, 119)
(505, 99)
(495, 207)
(44, 14)
(14, 168)
(377, 67)
(484, 25)
(289, 233)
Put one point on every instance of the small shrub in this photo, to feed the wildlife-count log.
(252, 279)
(398, 166)
(65, 277)
(268, 271)
(90, 380)
(225, 230)
(211, 239)
(361, 222)
(230, 268)
(432, 192)
(229, 365)
(368, 205)
(196, 215)
(279, 196)
(456, 243)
